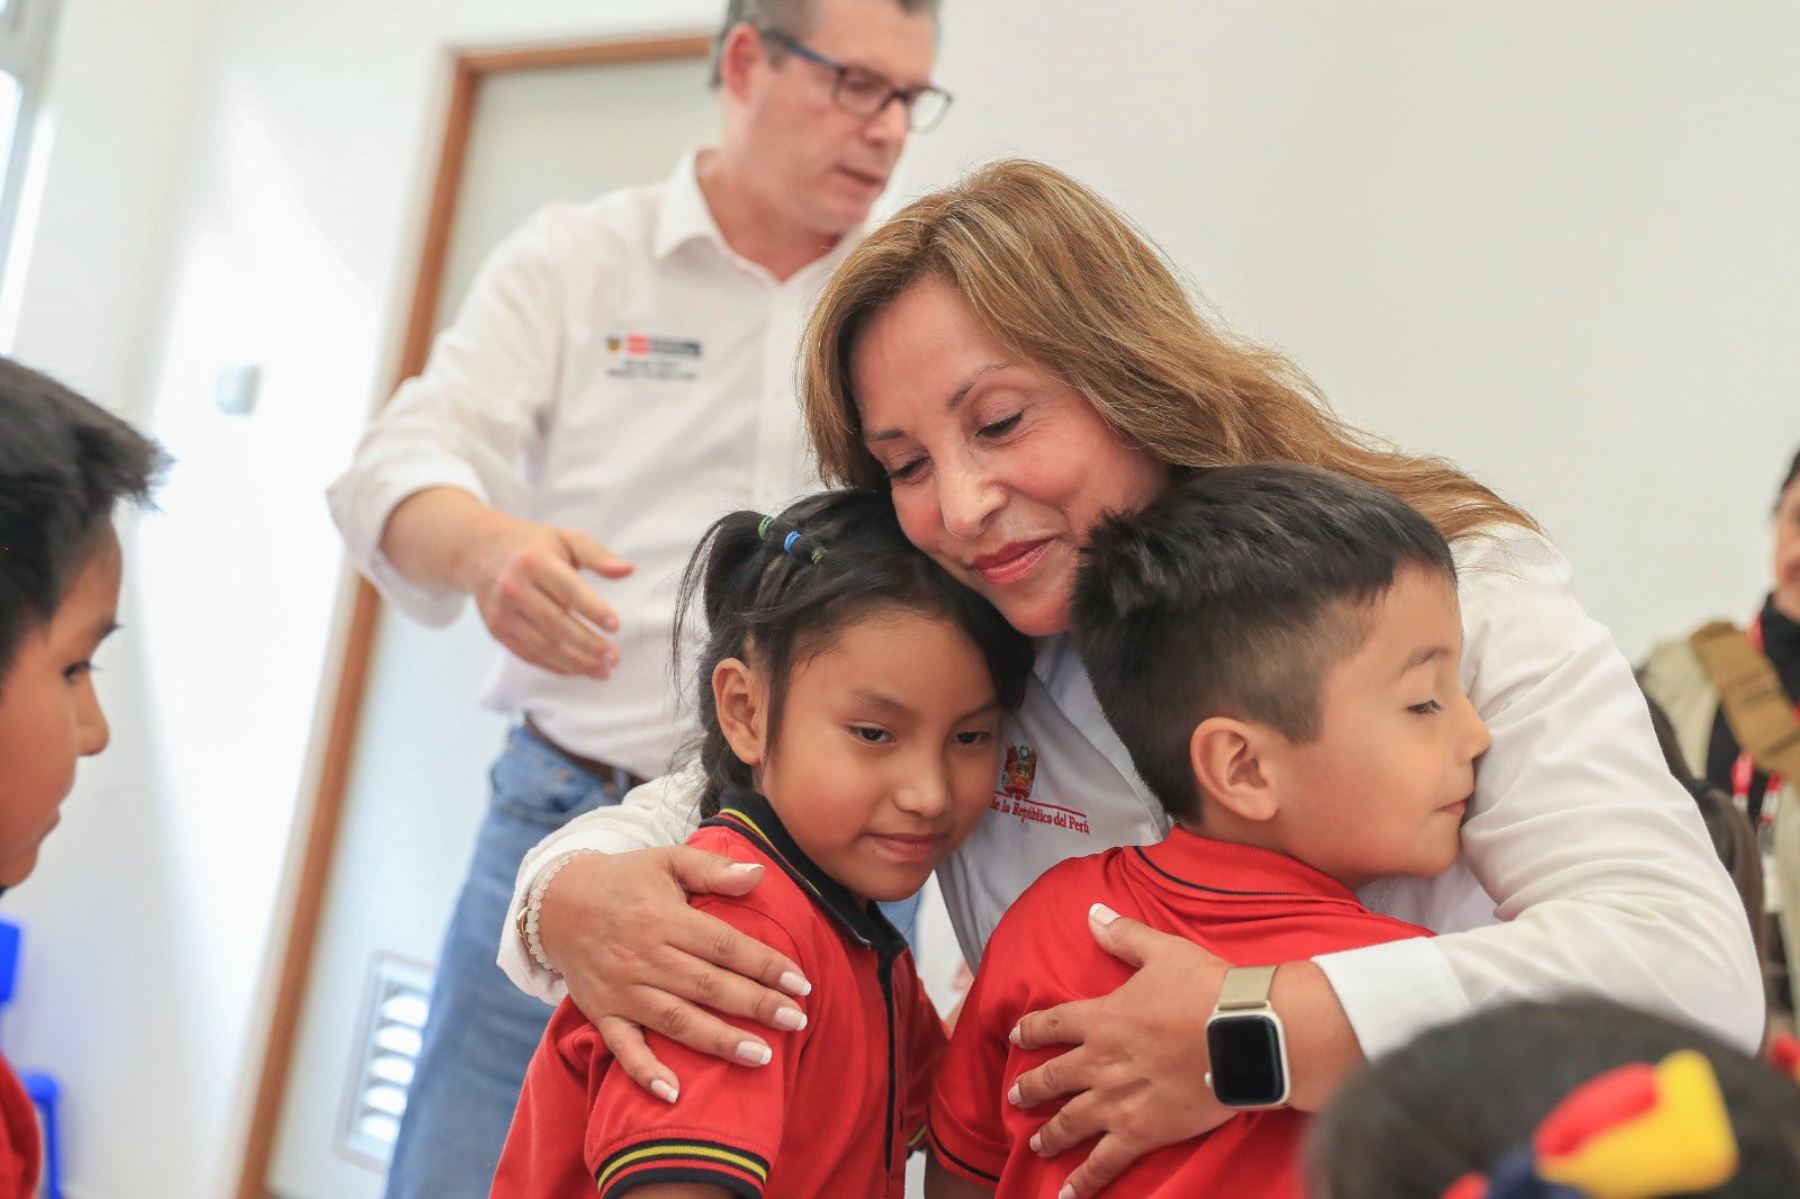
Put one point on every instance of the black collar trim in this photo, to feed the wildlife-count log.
(751, 816)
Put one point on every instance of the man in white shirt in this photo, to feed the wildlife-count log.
(620, 375)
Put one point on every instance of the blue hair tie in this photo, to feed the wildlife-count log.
(787, 545)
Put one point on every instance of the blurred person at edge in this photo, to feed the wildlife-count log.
(620, 375)
(1674, 677)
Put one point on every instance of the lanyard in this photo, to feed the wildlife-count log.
(1743, 771)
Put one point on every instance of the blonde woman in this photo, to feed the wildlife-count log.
(1010, 359)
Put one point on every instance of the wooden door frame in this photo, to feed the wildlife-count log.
(470, 69)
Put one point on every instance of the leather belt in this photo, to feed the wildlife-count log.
(605, 772)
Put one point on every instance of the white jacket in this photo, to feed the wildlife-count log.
(1585, 865)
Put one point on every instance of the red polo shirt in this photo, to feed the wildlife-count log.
(1250, 906)
(18, 1137)
(836, 1112)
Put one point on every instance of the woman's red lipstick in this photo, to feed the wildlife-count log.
(1011, 561)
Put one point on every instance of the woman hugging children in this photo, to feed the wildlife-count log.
(1279, 650)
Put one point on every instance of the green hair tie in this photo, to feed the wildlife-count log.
(762, 530)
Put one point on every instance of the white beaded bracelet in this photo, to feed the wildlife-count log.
(534, 905)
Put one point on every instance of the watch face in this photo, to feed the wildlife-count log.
(1246, 1061)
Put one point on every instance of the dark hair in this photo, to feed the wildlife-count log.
(64, 463)
(784, 584)
(1232, 594)
(1460, 1098)
(1793, 472)
(792, 17)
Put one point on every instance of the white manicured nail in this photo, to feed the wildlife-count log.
(1102, 915)
(795, 984)
(746, 867)
(1013, 1097)
(664, 1091)
(790, 1018)
(753, 1053)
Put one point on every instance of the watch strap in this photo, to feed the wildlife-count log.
(1246, 987)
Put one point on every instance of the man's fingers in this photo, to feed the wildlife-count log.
(1063, 1024)
(578, 638)
(531, 646)
(591, 555)
(1065, 1074)
(1110, 1158)
(626, 1041)
(565, 644)
(566, 589)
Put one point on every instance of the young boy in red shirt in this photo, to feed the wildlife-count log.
(64, 464)
(1278, 649)
(851, 694)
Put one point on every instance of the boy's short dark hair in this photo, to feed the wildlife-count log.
(64, 463)
(1233, 594)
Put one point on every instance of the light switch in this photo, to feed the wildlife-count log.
(234, 393)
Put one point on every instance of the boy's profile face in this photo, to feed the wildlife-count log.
(886, 753)
(49, 712)
(1383, 789)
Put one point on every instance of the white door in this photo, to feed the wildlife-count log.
(418, 785)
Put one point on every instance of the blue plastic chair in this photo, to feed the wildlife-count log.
(39, 1086)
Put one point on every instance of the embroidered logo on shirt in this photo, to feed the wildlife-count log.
(1013, 795)
(1019, 772)
(647, 356)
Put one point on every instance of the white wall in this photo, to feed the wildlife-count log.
(1551, 238)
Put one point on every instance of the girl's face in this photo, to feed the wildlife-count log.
(997, 468)
(1787, 552)
(886, 749)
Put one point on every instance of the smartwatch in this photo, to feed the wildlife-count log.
(1246, 1043)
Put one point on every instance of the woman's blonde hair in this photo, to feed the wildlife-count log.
(1059, 277)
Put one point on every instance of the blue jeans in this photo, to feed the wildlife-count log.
(481, 1030)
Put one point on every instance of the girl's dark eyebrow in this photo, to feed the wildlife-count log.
(881, 703)
(992, 705)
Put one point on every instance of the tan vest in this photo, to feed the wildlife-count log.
(1677, 678)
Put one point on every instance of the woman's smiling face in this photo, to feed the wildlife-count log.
(998, 469)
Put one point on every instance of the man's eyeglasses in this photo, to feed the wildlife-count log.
(863, 93)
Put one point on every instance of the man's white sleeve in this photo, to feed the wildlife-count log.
(664, 811)
(1595, 857)
(468, 419)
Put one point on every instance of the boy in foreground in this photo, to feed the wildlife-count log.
(1278, 648)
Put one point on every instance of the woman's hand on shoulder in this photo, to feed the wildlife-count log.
(1137, 1072)
(1136, 1077)
(636, 956)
